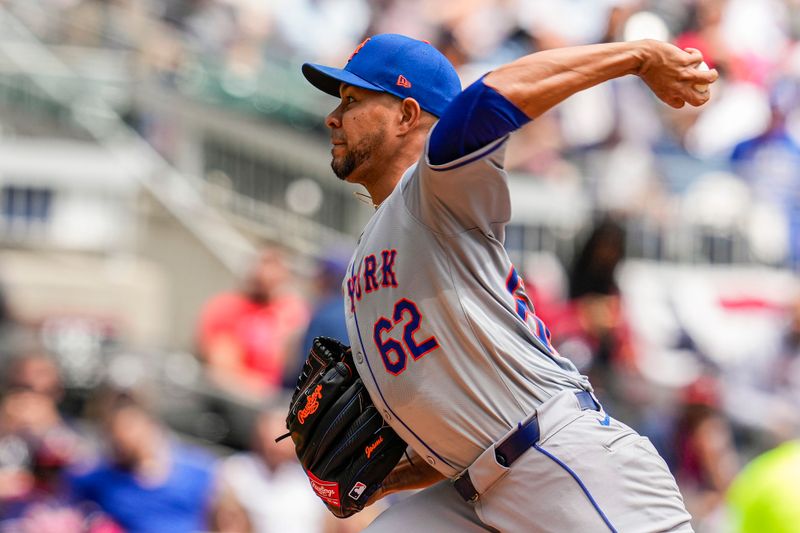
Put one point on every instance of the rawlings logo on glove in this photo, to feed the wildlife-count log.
(327, 490)
(311, 405)
(339, 437)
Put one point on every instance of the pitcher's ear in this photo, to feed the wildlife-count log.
(410, 114)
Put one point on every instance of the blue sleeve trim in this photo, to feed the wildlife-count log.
(467, 159)
(475, 118)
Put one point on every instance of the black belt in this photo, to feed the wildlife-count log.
(516, 444)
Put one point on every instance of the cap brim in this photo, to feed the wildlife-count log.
(329, 79)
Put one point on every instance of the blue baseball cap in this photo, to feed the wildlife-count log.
(394, 64)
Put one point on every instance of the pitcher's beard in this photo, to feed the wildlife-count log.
(344, 166)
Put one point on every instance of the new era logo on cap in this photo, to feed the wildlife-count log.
(376, 65)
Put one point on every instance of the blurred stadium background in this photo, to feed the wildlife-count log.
(167, 211)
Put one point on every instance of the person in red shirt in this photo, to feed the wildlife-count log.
(246, 337)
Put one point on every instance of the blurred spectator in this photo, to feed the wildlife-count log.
(269, 483)
(50, 518)
(770, 162)
(36, 446)
(32, 390)
(149, 482)
(592, 329)
(763, 497)
(704, 32)
(595, 266)
(247, 338)
(29, 414)
(706, 459)
(327, 319)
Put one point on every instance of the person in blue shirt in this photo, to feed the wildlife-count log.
(149, 483)
(770, 163)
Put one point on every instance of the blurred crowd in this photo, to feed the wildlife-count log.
(736, 157)
(115, 458)
(108, 461)
(68, 465)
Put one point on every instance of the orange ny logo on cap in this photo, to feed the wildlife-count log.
(358, 48)
(403, 82)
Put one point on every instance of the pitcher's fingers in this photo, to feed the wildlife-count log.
(694, 57)
(705, 76)
(677, 103)
(697, 98)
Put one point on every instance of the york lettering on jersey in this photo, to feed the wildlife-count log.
(372, 275)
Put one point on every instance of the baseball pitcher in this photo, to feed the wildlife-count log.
(446, 354)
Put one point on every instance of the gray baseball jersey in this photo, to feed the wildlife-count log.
(443, 334)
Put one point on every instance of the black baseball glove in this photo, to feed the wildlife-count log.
(343, 443)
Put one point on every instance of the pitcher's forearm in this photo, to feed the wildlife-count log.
(408, 475)
(539, 81)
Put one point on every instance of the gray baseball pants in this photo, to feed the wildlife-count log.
(587, 473)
